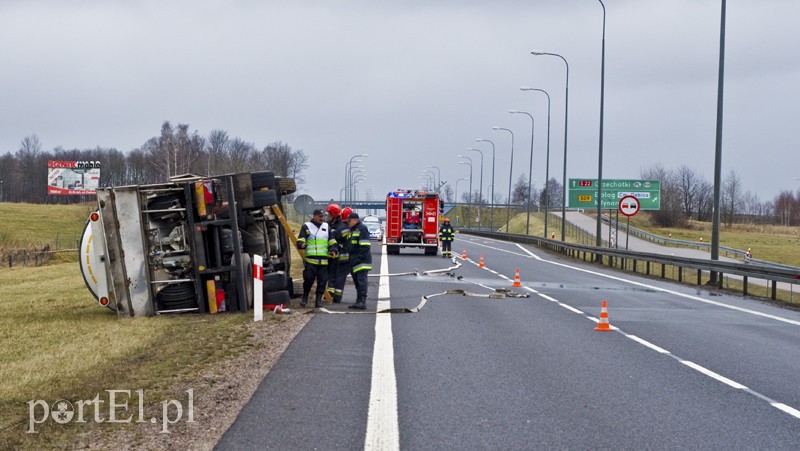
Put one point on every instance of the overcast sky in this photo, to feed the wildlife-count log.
(414, 83)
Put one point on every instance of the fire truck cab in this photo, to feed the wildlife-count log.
(412, 220)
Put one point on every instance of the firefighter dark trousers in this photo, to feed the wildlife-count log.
(337, 280)
(318, 273)
(446, 248)
(360, 280)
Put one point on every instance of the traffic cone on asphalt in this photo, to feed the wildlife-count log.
(517, 282)
(464, 255)
(481, 265)
(603, 325)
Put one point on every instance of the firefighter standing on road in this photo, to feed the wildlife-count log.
(446, 235)
(315, 238)
(358, 248)
(341, 235)
(334, 223)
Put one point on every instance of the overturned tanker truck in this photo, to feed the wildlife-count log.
(188, 245)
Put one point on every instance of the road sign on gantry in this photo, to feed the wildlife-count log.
(583, 193)
(629, 206)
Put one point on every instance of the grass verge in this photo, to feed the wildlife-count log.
(59, 344)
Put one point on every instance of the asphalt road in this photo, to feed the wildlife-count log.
(682, 369)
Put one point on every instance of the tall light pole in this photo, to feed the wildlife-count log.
(718, 146)
(566, 123)
(358, 169)
(480, 188)
(1, 191)
(433, 176)
(356, 180)
(510, 172)
(469, 199)
(427, 179)
(491, 201)
(530, 170)
(457, 187)
(547, 160)
(438, 171)
(598, 237)
(348, 167)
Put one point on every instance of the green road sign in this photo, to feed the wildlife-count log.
(583, 193)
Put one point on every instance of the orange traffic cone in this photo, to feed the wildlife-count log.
(464, 255)
(481, 265)
(603, 325)
(517, 282)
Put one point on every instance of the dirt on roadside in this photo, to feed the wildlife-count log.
(217, 397)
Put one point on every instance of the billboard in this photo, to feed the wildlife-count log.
(583, 193)
(72, 177)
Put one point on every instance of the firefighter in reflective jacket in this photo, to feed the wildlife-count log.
(337, 280)
(315, 238)
(446, 235)
(358, 248)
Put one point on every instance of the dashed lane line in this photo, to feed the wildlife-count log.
(699, 368)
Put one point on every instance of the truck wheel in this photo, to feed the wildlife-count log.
(392, 249)
(264, 179)
(275, 281)
(285, 185)
(278, 297)
(264, 198)
(431, 250)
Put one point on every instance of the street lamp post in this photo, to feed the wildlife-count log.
(491, 201)
(530, 170)
(480, 188)
(357, 179)
(547, 159)
(358, 170)
(348, 167)
(566, 123)
(439, 172)
(1, 191)
(457, 188)
(427, 180)
(598, 237)
(469, 199)
(433, 176)
(718, 146)
(510, 172)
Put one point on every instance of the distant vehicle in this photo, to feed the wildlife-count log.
(375, 231)
(372, 220)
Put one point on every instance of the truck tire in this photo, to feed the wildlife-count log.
(285, 185)
(277, 297)
(264, 198)
(275, 281)
(254, 241)
(431, 250)
(247, 272)
(392, 249)
(264, 179)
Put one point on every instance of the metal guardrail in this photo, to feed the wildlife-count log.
(692, 244)
(609, 255)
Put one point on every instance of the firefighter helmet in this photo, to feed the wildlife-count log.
(346, 213)
(334, 210)
(446, 219)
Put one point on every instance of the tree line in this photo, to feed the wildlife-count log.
(174, 151)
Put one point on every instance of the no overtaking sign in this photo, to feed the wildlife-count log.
(629, 206)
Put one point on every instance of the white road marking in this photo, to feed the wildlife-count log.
(713, 375)
(383, 432)
(703, 370)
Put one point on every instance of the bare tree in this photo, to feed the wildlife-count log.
(447, 193)
(731, 196)
(671, 213)
(519, 194)
(688, 183)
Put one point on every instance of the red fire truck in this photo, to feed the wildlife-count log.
(412, 220)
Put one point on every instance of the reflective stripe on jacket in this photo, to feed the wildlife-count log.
(317, 241)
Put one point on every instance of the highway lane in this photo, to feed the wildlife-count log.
(522, 373)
